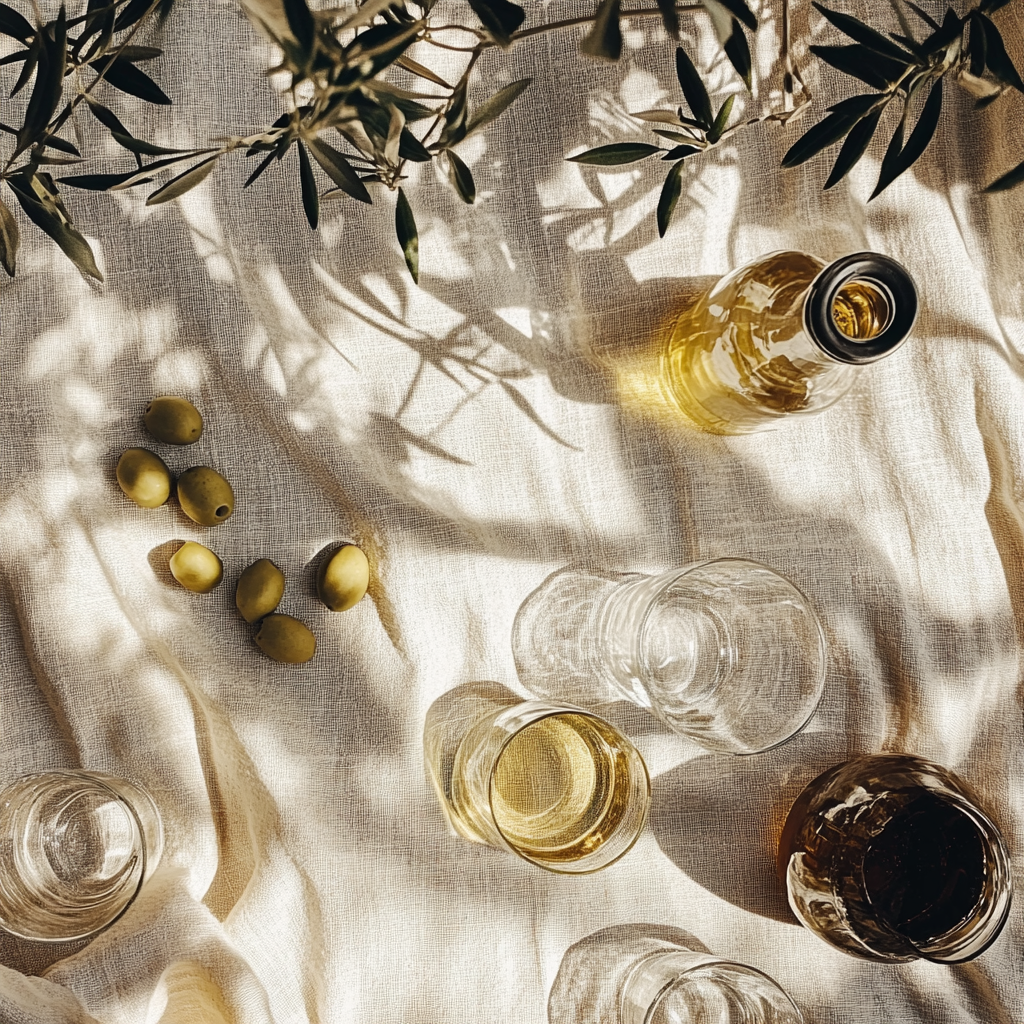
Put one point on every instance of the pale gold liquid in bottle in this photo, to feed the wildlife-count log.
(560, 788)
(741, 358)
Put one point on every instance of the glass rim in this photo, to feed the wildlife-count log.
(99, 779)
(552, 710)
(672, 576)
(706, 960)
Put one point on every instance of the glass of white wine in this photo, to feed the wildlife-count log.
(552, 783)
(76, 848)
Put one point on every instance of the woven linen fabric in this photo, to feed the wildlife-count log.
(473, 434)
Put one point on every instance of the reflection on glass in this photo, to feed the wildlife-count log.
(637, 974)
(726, 652)
(890, 858)
(552, 783)
(783, 336)
(75, 849)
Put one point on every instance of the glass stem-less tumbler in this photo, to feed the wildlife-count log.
(726, 652)
(75, 850)
(629, 974)
(552, 783)
(890, 858)
(784, 336)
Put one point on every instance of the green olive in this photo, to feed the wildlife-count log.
(173, 420)
(143, 477)
(196, 567)
(343, 578)
(286, 639)
(205, 495)
(259, 590)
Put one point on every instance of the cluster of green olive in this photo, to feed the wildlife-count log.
(207, 498)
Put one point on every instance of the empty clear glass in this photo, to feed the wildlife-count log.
(623, 976)
(726, 652)
(75, 849)
(889, 857)
(552, 783)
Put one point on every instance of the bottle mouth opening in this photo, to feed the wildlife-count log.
(861, 307)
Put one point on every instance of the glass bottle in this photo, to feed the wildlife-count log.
(889, 857)
(784, 336)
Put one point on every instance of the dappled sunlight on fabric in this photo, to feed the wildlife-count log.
(99, 332)
(701, 232)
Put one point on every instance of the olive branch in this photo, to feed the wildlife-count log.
(349, 121)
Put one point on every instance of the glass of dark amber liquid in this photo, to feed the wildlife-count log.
(784, 336)
(890, 858)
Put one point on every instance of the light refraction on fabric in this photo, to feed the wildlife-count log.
(472, 434)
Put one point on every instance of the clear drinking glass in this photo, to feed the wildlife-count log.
(889, 857)
(784, 336)
(646, 980)
(552, 783)
(726, 652)
(75, 849)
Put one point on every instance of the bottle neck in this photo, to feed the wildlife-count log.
(860, 308)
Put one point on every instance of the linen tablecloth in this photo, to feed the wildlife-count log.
(472, 434)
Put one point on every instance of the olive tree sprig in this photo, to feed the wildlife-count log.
(339, 62)
(901, 68)
(98, 42)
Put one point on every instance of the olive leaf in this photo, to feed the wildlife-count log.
(9, 239)
(496, 105)
(694, 92)
(822, 135)
(132, 13)
(307, 183)
(461, 177)
(500, 17)
(670, 192)
(894, 166)
(730, 34)
(739, 10)
(604, 40)
(100, 182)
(864, 34)
(854, 147)
(858, 61)
(181, 184)
(1011, 179)
(134, 145)
(14, 24)
(414, 67)
(302, 24)
(124, 75)
(680, 152)
(408, 237)
(56, 142)
(997, 59)
(616, 153)
(721, 120)
(35, 49)
(38, 197)
(49, 87)
(263, 165)
(335, 164)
